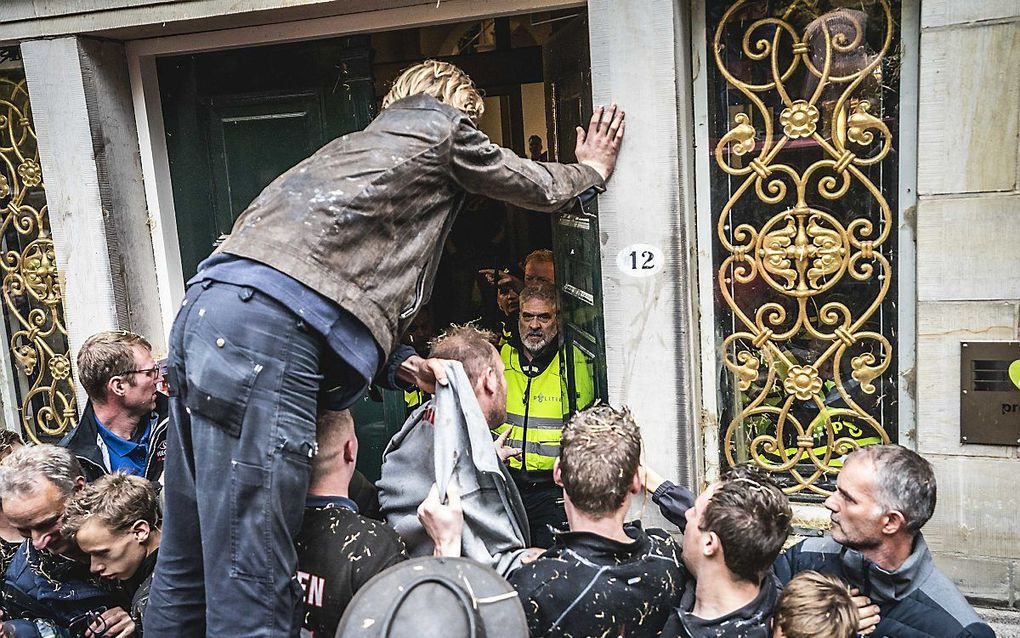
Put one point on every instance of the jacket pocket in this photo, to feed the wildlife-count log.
(220, 379)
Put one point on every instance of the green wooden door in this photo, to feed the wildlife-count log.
(237, 119)
(576, 233)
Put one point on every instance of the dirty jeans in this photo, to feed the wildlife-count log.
(244, 372)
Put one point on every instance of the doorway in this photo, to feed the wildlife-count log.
(236, 119)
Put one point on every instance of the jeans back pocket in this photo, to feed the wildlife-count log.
(220, 378)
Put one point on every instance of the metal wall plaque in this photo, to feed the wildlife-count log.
(990, 392)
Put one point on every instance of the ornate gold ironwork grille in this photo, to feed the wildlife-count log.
(802, 108)
(34, 315)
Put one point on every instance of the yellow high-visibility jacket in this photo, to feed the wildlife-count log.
(536, 404)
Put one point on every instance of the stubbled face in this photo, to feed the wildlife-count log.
(538, 271)
(37, 516)
(140, 396)
(857, 516)
(691, 554)
(537, 324)
(507, 299)
(112, 554)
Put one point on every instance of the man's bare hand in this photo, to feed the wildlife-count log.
(866, 612)
(113, 623)
(503, 450)
(424, 373)
(443, 523)
(600, 145)
(650, 479)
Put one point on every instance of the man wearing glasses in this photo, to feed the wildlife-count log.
(124, 423)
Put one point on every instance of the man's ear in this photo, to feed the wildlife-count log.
(350, 450)
(711, 545)
(557, 473)
(635, 484)
(79, 484)
(141, 530)
(893, 522)
(115, 386)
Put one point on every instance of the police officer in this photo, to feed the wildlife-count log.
(537, 403)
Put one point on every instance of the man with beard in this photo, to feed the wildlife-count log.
(884, 496)
(537, 403)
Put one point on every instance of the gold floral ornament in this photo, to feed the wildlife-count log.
(27, 357)
(802, 382)
(30, 172)
(799, 119)
(5, 187)
(60, 367)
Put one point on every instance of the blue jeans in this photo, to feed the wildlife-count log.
(245, 377)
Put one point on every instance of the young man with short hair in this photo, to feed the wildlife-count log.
(115, 520)
(884, 496)
(732, 532)
(124, 424)
(338, 549)
(603, 577)
(814, 604)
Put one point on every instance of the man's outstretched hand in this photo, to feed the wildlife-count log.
(599, 146)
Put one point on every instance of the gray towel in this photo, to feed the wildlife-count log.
(458, 447)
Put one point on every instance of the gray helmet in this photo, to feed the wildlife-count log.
(435, 598)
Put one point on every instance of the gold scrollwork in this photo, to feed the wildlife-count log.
(31, 285)
(801, 252)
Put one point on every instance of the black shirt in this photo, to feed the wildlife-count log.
(338, 552)
(590, 585)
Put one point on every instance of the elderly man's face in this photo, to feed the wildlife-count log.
(537, 324)
(37, 516)
(857, 517)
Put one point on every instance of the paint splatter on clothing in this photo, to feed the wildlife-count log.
(593, 586)
(39, 584)
(338, 552)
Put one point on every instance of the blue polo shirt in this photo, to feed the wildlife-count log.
(127, 456)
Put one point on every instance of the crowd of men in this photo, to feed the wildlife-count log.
(233, 506)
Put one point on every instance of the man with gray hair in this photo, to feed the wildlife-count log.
(48, 584)
(884, 496)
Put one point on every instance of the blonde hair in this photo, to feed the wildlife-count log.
(117, 500)
(815, 604)
(441, 80)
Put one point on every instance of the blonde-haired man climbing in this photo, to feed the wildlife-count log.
(300, 309)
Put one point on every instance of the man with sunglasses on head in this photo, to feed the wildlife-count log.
(123, 427)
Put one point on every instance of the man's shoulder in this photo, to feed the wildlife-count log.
(330, 525)
(939, 608)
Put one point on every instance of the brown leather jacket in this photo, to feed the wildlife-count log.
(363, 220)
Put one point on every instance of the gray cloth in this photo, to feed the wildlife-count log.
(457, 447)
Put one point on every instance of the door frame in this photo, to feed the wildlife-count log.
(651, 351)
